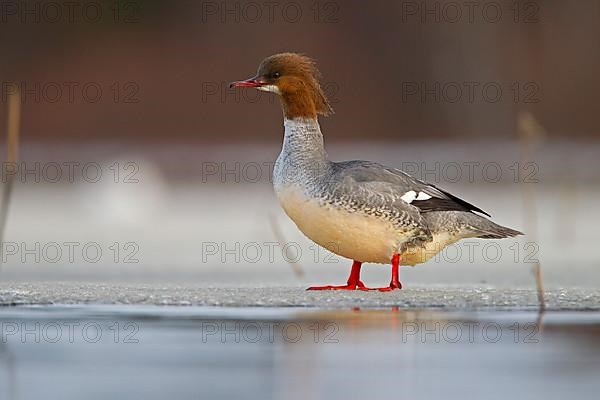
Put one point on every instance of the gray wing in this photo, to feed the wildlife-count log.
(377, 184)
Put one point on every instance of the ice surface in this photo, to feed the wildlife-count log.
(447, 298)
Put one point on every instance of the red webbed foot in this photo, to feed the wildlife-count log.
(354, 282)
(393, 286)
(358, 286)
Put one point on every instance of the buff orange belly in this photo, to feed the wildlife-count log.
(356, 236)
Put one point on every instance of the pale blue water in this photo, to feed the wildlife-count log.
(148, 352)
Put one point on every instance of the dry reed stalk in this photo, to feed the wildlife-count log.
(530, 133)
(12, 157)
(296, 268)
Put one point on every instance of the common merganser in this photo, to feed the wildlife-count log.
(360, 210)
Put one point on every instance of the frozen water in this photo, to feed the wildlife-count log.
(447, 298)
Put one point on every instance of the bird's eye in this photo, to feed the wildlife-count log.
(275, 75)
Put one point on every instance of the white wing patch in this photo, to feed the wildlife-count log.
(411, 196)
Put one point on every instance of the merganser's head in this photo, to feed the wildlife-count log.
(294, 78)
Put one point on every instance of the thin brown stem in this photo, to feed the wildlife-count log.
(12, 157)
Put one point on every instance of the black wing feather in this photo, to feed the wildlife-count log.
(440, 200)
(451, 203)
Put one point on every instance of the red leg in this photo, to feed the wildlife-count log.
(354, 282)
(395, 283)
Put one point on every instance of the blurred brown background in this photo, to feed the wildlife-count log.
(158, 70)
(138, 91)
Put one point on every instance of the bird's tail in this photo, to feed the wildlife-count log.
(491, 230)
(470, 225)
